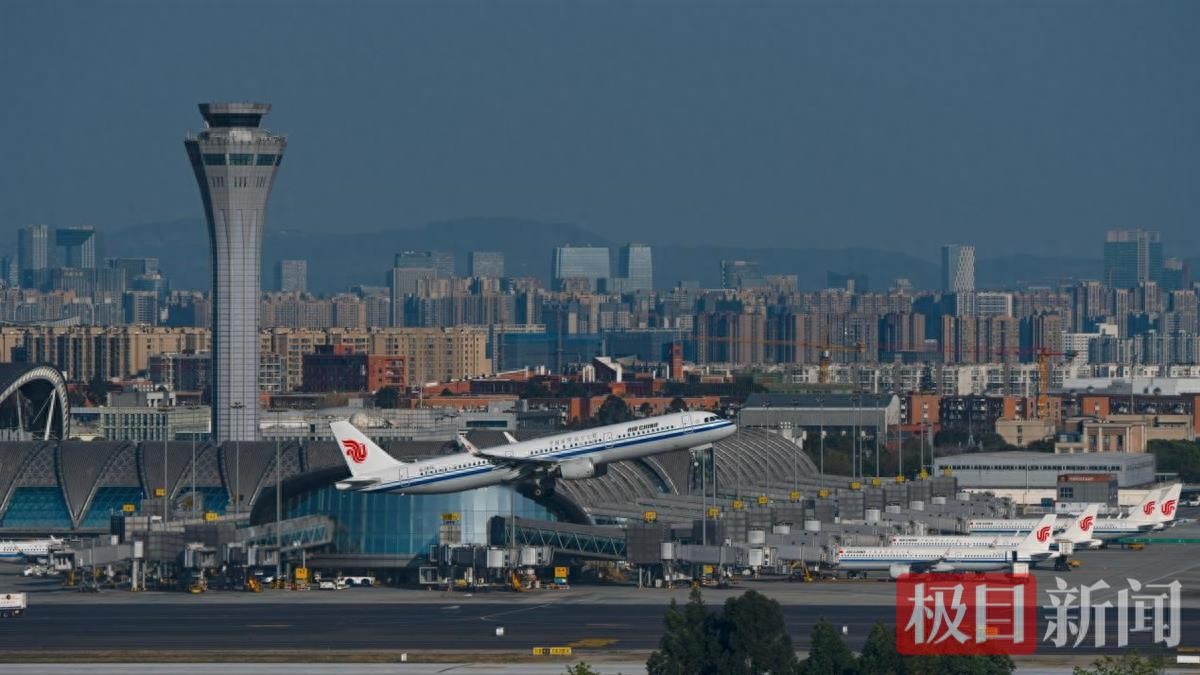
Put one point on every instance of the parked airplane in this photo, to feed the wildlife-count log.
(899, 560)
(1155, 509)
(27, 549)
(571, 456)
(1078, 534)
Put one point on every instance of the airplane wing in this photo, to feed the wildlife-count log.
(510, 438)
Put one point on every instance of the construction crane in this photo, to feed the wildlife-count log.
(1042, 356)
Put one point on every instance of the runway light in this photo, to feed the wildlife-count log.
(499, 631)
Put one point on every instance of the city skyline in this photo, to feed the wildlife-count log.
(1019, 163)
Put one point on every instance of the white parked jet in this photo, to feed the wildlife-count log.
(571, 456)
(27, 549)
(1149, 514)
(899, 560)
(1078, 534)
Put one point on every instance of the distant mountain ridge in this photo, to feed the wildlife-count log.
(337, 261)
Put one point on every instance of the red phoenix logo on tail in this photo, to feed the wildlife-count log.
(1086, 523)
(1149, 507)
(1168, 507)
(1043, 533)
(356, 451)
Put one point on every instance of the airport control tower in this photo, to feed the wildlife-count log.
(235, 161)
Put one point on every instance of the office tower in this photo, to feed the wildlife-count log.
(958, 268)
(441, 262)
(402, 282)
(740, 274)
(235, 161)
(1131, 257)
(291, 276)
(581, 262)
(133, 267)
(78, 246)
(635, 267)
(486, 264)
(1176, 274)
(33, 251)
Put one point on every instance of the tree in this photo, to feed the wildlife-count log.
(688, 645)
(753, 637)
(1130, 663)
(677, 404)
(999, 664)
(446, 392)
(581, 668)
(879, 655)
(97, 390)
(388, 397)
(827, 654)
(645, 410)
(614, 410)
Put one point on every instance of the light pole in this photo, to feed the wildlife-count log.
(166, 487)
(237, 459)
(821, 422)
(194, 474)
(278, 497)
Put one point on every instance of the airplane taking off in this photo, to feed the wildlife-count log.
(900, 560)
(1155, 510)
(28, 549)
(1078, 533)
(571, 456)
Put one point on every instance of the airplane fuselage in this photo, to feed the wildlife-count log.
(580, 454)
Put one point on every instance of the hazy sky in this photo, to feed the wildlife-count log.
(1017, 126)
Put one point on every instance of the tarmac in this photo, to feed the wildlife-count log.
(599, 622)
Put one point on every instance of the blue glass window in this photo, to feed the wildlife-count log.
(108, 502)
(214, 159)
(265, 160)
(240, 159)
(37, 507)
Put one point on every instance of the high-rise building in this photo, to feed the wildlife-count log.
(134, 267)
(740, 274)
(1132, 257)
(441, 262)
(235, 161)
(78, 246)
(635, 266)
(33, 251)
(958, 268)
(486, 264)
(291, 276)
(581, 262)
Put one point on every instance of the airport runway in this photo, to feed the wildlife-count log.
(407, 627)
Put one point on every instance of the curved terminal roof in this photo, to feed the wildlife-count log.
(80, 469)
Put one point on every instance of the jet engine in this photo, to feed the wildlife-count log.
(577, 469)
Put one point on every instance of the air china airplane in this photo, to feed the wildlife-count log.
(1078, 533)
(900, 560)
(1155, 510)
(28, 549)
(570, 456)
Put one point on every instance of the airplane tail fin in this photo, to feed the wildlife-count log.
(1080, 529)
(1169, 503)
(1038, 540)
(1147, 509)
(360, 453)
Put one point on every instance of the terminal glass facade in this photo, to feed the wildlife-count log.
(109, 502)
(382, 524)
(37, 507)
